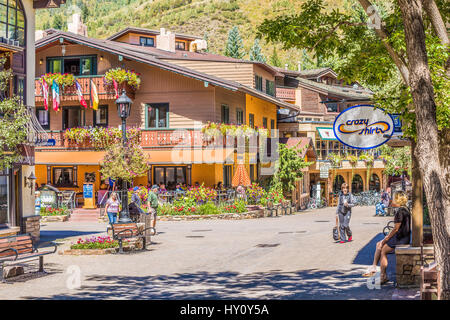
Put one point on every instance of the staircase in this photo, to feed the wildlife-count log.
(85, 215)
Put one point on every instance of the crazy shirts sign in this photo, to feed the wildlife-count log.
(363, 127)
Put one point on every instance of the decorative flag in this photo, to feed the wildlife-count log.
(55, 94)
(94, 96)
(45, 93)
(80, 94)
(116, 88)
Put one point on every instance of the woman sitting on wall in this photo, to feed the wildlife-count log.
(398, 236)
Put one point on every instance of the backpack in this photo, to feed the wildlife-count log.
(406, 231)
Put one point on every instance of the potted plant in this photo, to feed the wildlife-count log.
(125, 79)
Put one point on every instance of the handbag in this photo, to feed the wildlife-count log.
(335, 234)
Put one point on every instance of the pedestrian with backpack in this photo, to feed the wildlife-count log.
(344, 213)
(400, 234)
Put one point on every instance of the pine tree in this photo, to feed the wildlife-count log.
(255, 52)
(275, 60)
(57, 22)
(235, 46)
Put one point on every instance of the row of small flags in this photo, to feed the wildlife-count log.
(56, 96)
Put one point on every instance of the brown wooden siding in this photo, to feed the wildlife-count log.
(239, 72)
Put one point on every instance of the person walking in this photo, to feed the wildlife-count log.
(384, 203)
(152, 205)
(344, 213)
(399, 235)
(112, 208)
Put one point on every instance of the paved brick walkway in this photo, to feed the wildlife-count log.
(289, 257)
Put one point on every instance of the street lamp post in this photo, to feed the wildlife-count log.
(123, 108)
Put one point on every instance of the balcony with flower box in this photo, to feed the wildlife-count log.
(97, 139)
(105, 90)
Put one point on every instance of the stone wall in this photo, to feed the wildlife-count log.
(408, 264)
(32, 225)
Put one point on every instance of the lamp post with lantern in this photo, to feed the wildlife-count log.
(123, 108)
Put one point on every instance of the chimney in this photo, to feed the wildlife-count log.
(299, 65)
(285, 66)
(165, 40)
(77, 26)
(39, 34)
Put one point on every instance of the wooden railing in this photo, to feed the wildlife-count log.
(149, 139)
(286, 93)
(105, 92)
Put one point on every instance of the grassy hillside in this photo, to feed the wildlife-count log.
(197, 17)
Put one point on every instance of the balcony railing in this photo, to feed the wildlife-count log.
(148, 139)
(105, 92)
(286, 93)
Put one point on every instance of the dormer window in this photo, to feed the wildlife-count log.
(180, 45)
(147, 42)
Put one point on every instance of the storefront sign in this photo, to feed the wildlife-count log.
(324, 170)
(88, 191)
(363, 127)
(48, 198)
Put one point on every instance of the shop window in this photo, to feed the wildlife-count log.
(180, 45)
(252, 172)
(43, 117)
(251, 120)
(157, 115)
(239, 117)
(227, 175)
(357, 184)
(258, 83)
(72, 117)
(169, 176)
(270, 88)
(64, 177)
(225, 114)
(374, 183)
(147, 42)
(337, 183)
(12, 22)
(101, 116)
(4, 198)
(78, 66)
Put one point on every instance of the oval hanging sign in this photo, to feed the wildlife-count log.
(363, 127)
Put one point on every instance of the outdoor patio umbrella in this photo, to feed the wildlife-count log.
(241, 176)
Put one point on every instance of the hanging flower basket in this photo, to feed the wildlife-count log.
(64, 80)
(124, 78)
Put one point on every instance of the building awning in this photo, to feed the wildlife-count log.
(326, 133)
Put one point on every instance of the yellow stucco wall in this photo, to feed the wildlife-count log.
(260, 109)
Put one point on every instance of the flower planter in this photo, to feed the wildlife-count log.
(61, 218)
(255, 214)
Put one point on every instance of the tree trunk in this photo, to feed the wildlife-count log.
(431, 147)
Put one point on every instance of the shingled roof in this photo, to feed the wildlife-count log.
(142, 55)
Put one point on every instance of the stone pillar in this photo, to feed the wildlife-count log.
(32, 225)
(417, 201)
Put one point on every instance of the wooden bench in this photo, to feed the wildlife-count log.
(429, 283)
(128, 231)
(19, 249)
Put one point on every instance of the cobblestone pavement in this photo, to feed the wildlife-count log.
(288, 257)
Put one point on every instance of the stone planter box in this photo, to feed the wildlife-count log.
(224, 216)
(98, 252)
(408, 263)
(54, 218)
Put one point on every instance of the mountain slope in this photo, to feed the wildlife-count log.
(197, 17)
